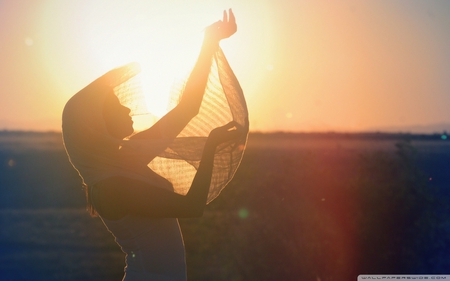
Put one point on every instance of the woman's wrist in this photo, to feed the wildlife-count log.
(210, 144)
(210, 43)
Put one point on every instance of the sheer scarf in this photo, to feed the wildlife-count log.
(173, 162)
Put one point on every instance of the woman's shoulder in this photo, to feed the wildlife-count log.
(112, 180)
(107, 197)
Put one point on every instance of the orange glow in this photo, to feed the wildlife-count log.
(162, 38)
(303, 65)
(348, 67)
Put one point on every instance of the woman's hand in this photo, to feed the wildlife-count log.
(222, 29)
(228, 132)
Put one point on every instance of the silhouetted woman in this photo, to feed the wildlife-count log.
(141, 184)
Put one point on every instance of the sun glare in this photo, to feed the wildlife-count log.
(163, 37)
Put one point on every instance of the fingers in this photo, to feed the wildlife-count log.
(227, 132)
(225, 17)
(230, 125)
(231, 17)
(223, 28)
(236, 132)
(228, 18)
(234, 128)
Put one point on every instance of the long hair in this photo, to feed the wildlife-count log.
(89, 206)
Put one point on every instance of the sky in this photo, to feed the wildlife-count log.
(351, 66)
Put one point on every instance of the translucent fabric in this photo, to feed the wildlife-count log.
(173, 162)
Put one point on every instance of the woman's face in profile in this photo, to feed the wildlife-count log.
(117, 117)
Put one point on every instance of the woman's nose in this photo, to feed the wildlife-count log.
(126, 110)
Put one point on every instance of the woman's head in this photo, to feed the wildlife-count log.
(116, 117)
(94, 123)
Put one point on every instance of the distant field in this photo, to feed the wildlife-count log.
(56, 244)
(17, 141)
(301, 207)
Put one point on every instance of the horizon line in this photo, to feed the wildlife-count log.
(268, 132)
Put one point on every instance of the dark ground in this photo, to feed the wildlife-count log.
(301, 207)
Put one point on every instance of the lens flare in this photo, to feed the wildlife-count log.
(243, 213)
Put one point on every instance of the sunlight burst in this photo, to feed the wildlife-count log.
(164, 38)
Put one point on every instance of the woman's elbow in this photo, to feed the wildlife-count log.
(188, 111)
(198, 213)
(193, 213)
(191, 112)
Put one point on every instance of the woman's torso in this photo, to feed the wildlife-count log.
(153, 247)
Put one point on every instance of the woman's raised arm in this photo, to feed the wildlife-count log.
(175, 120)
(196, 84)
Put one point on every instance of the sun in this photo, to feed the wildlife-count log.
(163, 37)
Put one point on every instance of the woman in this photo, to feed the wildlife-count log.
(140, 185)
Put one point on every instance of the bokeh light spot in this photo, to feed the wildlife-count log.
(444, 137)
(11, 163)
(29, 42)
(243, 213)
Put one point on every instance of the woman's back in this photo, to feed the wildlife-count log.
(154, 247)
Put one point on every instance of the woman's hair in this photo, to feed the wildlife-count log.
(89, 206)
(91, 149)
